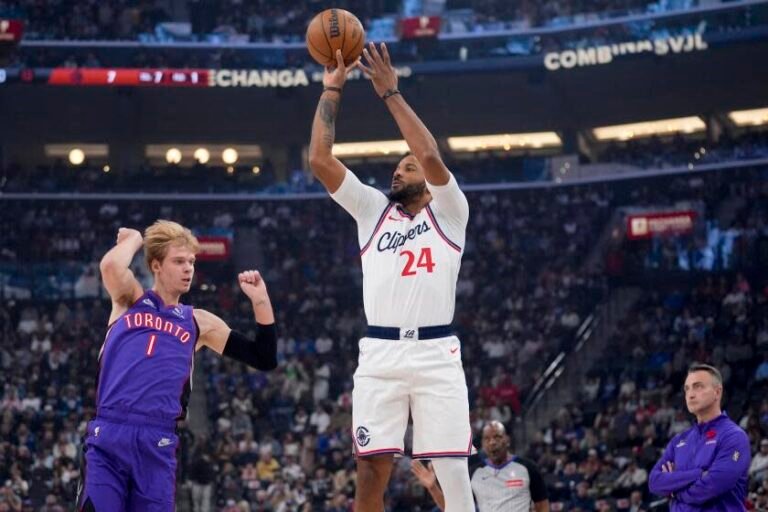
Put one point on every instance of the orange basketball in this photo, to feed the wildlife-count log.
(335, 29)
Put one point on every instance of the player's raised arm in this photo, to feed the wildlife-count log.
(259, 353)
(121, 285)
(325, 167)
(420, 141)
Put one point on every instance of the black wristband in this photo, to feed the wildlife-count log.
(390, 93)
(260, 353)
(333, 89)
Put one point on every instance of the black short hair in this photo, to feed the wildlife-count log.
(700, 367)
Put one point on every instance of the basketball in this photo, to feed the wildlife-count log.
(335, 29)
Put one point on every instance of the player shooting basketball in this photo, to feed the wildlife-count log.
(411, 243)
(145, 368)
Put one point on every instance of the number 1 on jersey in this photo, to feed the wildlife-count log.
(425, 261)
(151, 345)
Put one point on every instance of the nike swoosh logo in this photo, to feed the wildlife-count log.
(454, 349)
(392, 218)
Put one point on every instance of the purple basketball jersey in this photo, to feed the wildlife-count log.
(145, 365)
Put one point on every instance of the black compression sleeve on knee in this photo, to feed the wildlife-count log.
(260, 353)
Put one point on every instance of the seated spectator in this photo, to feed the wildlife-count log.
(761, 374)
(758, 470)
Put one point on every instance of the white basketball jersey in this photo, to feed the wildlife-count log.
(410, 263)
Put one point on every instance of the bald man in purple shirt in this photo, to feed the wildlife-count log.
(704, 468)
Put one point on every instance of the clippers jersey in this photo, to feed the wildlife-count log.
(410, 263)
(146, 362)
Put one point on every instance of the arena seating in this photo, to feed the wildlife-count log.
(281, 438)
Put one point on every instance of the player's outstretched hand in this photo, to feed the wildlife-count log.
(378, 67)
(337, 76)
(425, 474)
(127, 234)
(253, 285)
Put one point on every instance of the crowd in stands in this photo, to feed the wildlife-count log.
(261, 20)
(90, 178)
(280, 441)
(679, 151)
(273, 50)
(271, 20)
(273, 24)
(110, 19)
(733, 238)
(279, 438)
(599, 451)
(534, 14)
(479, 168)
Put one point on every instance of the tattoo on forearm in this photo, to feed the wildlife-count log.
(259, 303)
(327, 110)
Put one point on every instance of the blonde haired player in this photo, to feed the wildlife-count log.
(411, 243)
(145, 368)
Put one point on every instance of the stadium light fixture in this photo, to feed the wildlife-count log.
(173, 156)
(203, 152)
(76, 156)
(505, 141)
(229, 156)
(753, 117)
(202, 155)
(96, 153)
(372, 148)
(687, 125)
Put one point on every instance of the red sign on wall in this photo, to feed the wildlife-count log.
(419, 26)
(213, 248)
(11, 31)
(648, 225)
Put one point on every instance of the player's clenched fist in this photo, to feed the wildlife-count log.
(253, 285)
(127, 233)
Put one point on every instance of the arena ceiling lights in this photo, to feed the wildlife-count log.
(661, 127)
(77, 153)
(369, 149)
(211, 154)
(505, 142)
(754, 117)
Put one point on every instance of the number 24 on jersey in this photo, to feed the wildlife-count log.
(424, 261)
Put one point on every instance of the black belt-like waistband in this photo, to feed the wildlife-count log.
(421, 333)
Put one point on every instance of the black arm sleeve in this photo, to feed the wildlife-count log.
(538, 486)
(260, 353)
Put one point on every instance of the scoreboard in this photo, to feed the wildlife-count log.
(129, 77)
(108, 77)
(174, 77)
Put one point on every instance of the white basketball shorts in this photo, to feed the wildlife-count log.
(423, 377)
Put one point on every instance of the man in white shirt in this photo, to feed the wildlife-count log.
(411, 243)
